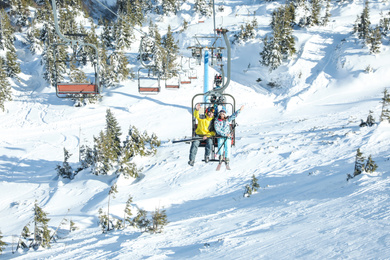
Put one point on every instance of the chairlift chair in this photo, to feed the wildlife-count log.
(147, 80)
(75, 89)
(173, 82)
(222, 101)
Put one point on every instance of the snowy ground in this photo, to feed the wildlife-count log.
(299, 140)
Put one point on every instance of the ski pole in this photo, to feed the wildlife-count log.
(224, 141)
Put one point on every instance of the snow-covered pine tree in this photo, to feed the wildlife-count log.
(385, 113)
(362, 24)
(5, 86)
(315, 12)
(374, 41)
(202, 7)
(254, 183)
(140, 221)
(271, 55)
(65, 171)
(159, 220)
(120, 65)
(282, 45)
(370, 166)
(2, 243)
(20, 12)
(107, 37)
(127, 212)
(370, 119)
(111, 193)
(384, 23)
(171, 51)
(102, 164)
(169, 7)
(326, 18)
(124, 32)
(359, 164)
(41, 229)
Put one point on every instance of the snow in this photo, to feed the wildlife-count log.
(298, 139)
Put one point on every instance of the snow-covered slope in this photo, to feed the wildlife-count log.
(299, 140)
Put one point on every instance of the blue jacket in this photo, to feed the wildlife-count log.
(222, 127)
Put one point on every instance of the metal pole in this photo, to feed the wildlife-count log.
(206, 73)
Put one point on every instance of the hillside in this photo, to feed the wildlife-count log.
(299, 139)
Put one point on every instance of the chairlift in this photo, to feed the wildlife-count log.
(68, 89)
(218, 102)
(71, 88)
(192, 74)
(184, 78)
(148, 81)
(172, 82)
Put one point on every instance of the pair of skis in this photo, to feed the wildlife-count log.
(220, 164)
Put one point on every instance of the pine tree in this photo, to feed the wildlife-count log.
(362, 24)
(326, 18)
(41, 229)
(136, 144)
(370, 166)
(140, 221)
(111, 193)
(254, 184)
(171, 49)
(202, 7)
(385, 113)
(2, 243)
(72, 226)
(359, 164)
(5, 87)
(119, 64)
(169, 7)
(315, 12)
(370, 119)
(128, 213)
(159, 220)
(374, 41)
(65, 170)
(282, 45)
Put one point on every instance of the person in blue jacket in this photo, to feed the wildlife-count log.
(222, 128)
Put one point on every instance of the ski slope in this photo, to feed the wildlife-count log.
(298, 139)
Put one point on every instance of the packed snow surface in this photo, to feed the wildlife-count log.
(299, 139)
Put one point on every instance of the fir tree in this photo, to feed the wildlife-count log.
(202, 7)
(370, 119)
(385, 113)
(140, 221)
(362, 24)
(119, 64)
(72, 226)
(5, 87)
(315, 12)
(2, 243)
(128, 213)
(370, 166)
(159, 220)
(374, 41)
(326, 18)
(65, 170)
(359, 164)
(111, 193)
(282, 45)
(41, 229)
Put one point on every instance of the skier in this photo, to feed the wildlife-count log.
(222, 128)
(202, 130)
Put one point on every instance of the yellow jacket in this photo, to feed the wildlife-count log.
(203, 125)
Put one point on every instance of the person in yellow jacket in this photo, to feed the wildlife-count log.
(202, 130)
